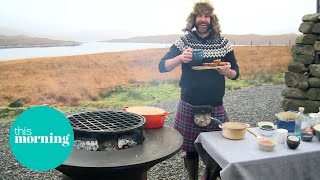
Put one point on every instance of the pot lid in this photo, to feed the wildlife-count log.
(145, 110)
(234, 125)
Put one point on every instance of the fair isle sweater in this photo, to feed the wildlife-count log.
(202, 87)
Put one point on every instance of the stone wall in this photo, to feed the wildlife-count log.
(303, 76)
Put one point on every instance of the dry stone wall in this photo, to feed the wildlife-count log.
(303, 76)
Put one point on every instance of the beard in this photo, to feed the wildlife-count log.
(202, 29)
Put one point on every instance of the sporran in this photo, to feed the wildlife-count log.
(202, 115)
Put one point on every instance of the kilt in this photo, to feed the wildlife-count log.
(184, 123)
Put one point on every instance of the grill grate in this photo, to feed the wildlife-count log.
(106, 121)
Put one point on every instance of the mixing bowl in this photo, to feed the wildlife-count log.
(267, 144)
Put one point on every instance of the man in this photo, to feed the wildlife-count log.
(200, 89)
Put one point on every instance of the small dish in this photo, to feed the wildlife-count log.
(265, 124)
(266, 131)
(267, 144)
(293, 142)
(266, 128)
(307, 137)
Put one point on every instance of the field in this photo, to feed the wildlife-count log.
(67, 80)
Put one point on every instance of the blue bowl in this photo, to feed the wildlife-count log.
(285, 120)
(282, 124)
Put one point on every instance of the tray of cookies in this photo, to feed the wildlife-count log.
(215, 64)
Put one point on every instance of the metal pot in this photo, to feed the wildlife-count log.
(232, 130)
(154, 116)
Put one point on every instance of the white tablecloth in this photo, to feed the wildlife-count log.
(242, 159)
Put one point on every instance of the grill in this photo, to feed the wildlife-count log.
(107, 125)
(132, 163)
(106, 121)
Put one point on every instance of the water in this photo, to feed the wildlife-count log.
(86, 48)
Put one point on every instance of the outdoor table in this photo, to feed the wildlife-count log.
(242, 159)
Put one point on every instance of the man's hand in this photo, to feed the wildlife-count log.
(186, 56)
(224, 69)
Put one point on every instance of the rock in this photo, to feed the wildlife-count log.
(314, 94)
(306, 27)
(295, 79)
(314, 82)
(305, 59)
(294, 93)
(297, 67)
(16, 103)
(303, 49)
(307, 39)
(310, 17)
(315, 70)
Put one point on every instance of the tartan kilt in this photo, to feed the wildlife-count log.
(184, 123)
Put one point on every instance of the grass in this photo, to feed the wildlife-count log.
(136, 94)
(151, 93)
(145, 93)
(116, 79)
(9, 114)
(64, 81)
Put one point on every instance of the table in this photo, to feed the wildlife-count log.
(242, 159)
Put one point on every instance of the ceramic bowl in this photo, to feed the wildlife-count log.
(267, 144)
(266, 128)
(307, 137)
(293, 142)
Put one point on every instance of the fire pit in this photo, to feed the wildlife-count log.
(98, 127)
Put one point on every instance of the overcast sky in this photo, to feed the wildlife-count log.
(151, 17)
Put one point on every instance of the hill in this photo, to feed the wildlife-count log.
(247, 39)
(22, 41)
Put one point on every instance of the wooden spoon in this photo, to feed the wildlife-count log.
(254, 134)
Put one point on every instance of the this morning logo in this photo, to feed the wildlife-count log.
(41, 138)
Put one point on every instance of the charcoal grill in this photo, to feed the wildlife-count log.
(104, 125)
(154, 146)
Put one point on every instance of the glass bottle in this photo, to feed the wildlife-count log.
(300, 122)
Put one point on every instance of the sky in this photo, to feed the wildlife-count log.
(90, 19)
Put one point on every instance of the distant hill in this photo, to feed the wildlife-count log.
(25, 41)
(247, 39)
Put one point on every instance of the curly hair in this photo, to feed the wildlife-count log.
(207, 8)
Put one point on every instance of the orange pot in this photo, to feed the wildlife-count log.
(154, 116)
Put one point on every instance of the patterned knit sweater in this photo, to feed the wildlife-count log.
(204, 87)
(212, 47)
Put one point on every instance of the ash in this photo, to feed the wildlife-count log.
(123, 142)
(86, 145)
(126, 143)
